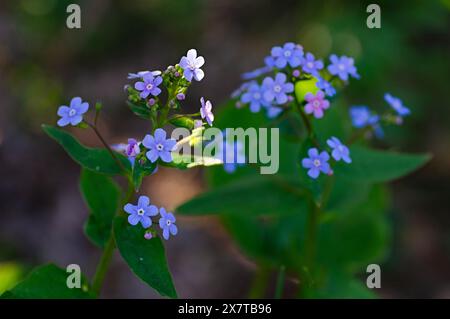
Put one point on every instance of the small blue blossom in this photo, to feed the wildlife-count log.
(311, 65)
(74, 114)
(241, 89)
(397, 105)
(191, 65)
(343, 67)
(340, 151)
(290, 53)
(256, 73)
(167, 223)
(326, 87)
(132, 150)
(149, 85)
(159, 146)
(361, 116)
(181, 96)
(231, 153)
(206, 111)
(316, 163)
(254, 96)
(142, 212)
(277, 88)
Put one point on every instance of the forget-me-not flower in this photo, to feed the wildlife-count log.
(167, 223)
(206, 111)
(191, 65)
(396, 104)
(326, 87)
(149, 85)
(254, 96)
(316, 104)
(140, 74)
(277, 89)
(132, 149)
(159, 146)
(311, 65)
(290, 53)
(72, 114)
(340, 151)
(141, 213)
(316, 163)
(342, 67)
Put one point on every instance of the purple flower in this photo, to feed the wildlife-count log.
(140, 74)
(277, 89)
(340, 151)
(132, 150)
(149, 85)
(148, 235)
(191, 65)
(316, 163)
(167, 223)
(342, 67)
(396, 104)
(206, 111)
(361, 116)
(254, 96)
(180, 96)
(290, 53)
(74, 114)
(326, 87)
(198, 123)
(142, 212)
(159, 146)
(311, 65)
(256, 73)
(316, 104)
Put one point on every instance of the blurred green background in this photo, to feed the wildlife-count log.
(43, 64)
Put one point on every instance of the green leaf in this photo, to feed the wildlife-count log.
(251, 196)
(305, 86)
(183, 121)
(140, 109)
(140, 170)
(102, 196)
(48, 282)
(336, 285)
(146, 258)
(379, 166)
(94, 159)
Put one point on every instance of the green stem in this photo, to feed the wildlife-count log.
(307, 123)
(103, 265)
(280, 282)
(259, 284)
(105, 259)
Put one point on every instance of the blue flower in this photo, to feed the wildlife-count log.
(142, 212)
(232, 154)
(206, 111)
(191, 65)
(273, 111)
(290, 53)
(277, 89)
(326, 87)
(159, 146)
(343, 67)
(361, 116)
(132, 150)
(167, 223)
(396, 104)
(311, 65)
(316, 163)
(256, 73)
(254, 96)
(149, 85)
(74, 114)
(340, 151)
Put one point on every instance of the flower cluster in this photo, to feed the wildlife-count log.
(146, 100)
(290, 65)
(143, 212)
(317, 163)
